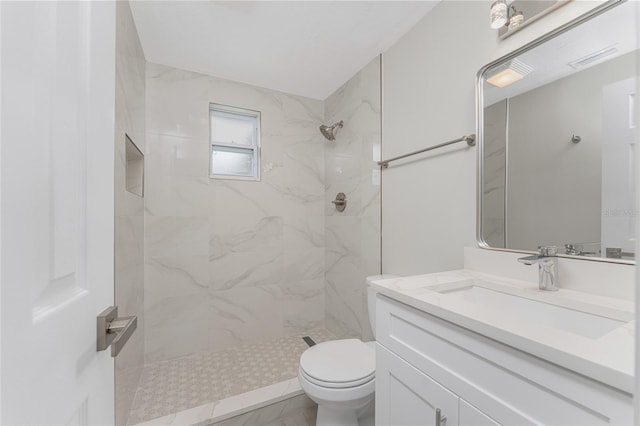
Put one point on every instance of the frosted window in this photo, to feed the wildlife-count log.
(232, 161)
(235, 142)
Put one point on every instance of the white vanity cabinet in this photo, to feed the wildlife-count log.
(425, 363)
(471, 416)
(407, 397)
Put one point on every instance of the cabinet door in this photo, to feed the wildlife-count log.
(407, 397)
(471, 416)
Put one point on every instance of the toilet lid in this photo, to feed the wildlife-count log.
(339, 361)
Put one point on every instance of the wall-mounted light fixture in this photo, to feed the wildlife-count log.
(504, 14)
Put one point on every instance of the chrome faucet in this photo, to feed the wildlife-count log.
(547, 261)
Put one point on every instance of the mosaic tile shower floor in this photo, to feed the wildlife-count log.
(178, 384)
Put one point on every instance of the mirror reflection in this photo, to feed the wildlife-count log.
(558, 138)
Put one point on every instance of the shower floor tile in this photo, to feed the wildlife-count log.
(178, 384)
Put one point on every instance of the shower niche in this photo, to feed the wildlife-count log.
(134, 168)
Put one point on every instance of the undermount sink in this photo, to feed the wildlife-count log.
(502, 301)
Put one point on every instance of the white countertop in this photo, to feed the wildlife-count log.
(607, 358)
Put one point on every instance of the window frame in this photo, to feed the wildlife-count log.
(256, 148)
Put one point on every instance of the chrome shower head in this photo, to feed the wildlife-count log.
(329, 131)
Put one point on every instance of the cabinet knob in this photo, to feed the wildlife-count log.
(440, 419)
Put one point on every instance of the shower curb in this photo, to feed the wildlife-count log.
(288, 393)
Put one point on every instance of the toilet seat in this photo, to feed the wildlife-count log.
(336, 385)
(339, 364)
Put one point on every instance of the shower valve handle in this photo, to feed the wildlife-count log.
(340, 202)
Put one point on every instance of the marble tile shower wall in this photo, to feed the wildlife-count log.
(495, 172)
(129, 208)
(229, 262)
(352, 237)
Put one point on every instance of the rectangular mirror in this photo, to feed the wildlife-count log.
(557, 131)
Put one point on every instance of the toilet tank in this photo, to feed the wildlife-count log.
(371, 298)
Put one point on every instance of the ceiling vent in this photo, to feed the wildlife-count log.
(594, 57)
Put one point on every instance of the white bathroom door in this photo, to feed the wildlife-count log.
(57, 75)
(619, 106)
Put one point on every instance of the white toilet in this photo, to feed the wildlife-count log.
(339, 375)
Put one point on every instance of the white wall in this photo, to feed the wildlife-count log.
(429, 76)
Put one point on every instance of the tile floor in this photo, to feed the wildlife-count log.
(175, 385)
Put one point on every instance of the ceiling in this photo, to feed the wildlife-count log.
(307, 48)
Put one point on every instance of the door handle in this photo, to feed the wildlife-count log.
(440, 418)
(114, 331)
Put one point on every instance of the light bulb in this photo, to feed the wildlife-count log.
(498, 14)
(516, 20)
